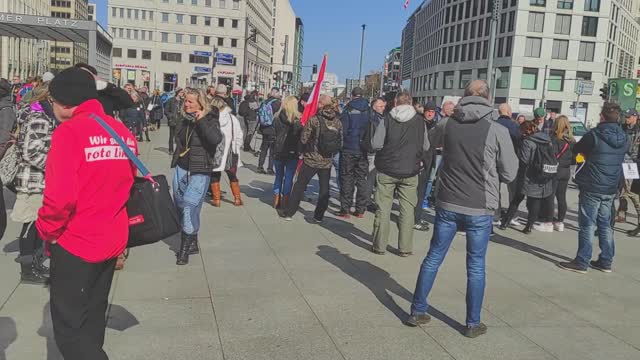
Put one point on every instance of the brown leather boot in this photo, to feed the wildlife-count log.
(235, 189)
(276, 201)
(215, 194)
(284, 201)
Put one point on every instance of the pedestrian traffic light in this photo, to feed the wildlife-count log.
(604, 92)
(239, 80)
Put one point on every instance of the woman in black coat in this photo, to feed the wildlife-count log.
(287, 130)
(134, 117)
(563, 142)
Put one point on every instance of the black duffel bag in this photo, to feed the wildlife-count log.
(152, 214)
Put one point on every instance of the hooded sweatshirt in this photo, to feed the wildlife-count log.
(88, 180)
(355, 119)
(526, 154)
(400, 141)
(604, 148)
(477, 156)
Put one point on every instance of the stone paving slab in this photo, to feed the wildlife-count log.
(263, 288)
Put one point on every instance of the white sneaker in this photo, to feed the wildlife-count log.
(515, 222)
(558, 227)
(543, 227)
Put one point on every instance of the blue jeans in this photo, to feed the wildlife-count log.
(285, 171)
(478, 229)
(595, 212)
(432, 178)
(189, 191)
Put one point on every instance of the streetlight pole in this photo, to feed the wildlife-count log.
(497, 4)
(364, 26)
(245, 82)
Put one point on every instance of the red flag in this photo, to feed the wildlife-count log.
(406, 4)
(312, 106)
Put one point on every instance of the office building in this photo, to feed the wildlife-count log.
(24, 57)
(543, 48)
(298, 55)
(92, 14)
(283, 49)
(65, 54)
(259, 69)
(392, 70)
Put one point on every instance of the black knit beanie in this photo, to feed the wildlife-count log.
(73, 86)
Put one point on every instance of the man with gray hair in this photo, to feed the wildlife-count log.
(478, 155)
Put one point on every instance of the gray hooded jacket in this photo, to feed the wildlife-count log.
(477, 156)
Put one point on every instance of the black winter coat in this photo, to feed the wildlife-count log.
(201, 138)
(287, 137)
(133, 117)
(565, 160)
(114, 99)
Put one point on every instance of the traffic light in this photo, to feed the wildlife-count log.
(239, 80)
(253, 36)
(604, 92)
(315, 69)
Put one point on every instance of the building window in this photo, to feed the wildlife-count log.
(195, 59)
(465, 78)
(556, 80)
(136, 14)
(509, 47)
(132, 53)
(448, 79)
(234, 24)
(207, 21)
(168, 56)
(589, 26)
(234, 42)
(121, 12)
(113, 12)
(150, 33)
(164, 36)
(165, 17)
(194, 2)
(532, 47)
(180, 2)
(587, 50)
(583, 75)
(116, 52)
(151, 15)
(223, 4)
(592, 5)
(221, 22)
(563, 24)
(529, 79)
(236, 4)
(128, 33)
(135, 34)
(220, 41)
(165, 1)
(207, 40)
(146, 54)
(178, 38)
(194, 20)
(128, 13)
(503, 82)
(179, 18)
(560, 49)
(121, 32)
(207, 3)
(144, 14)
(565, 4)
(536, 22)
(538, 2)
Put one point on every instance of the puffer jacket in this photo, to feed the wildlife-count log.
(355, 119)
(287, 137)
(526, 154)
(201, 138)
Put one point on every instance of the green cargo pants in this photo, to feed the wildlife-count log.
(407, 191)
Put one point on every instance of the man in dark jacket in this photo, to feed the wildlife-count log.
(604, 149)
(425, 172)
(7, 122)
(632, 129)
(172, 111)
(268, 132)
(354, 164)
(478, 156)
(400, 140)
(514, 132)
(110, 96)
(248, 110)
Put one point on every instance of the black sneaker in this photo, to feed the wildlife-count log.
(598, 266)
(417, 320)
(261, 171)
(634, 232)
(474, 332)
(572, 266)
(270, 172)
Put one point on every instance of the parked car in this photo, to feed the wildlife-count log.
(579, 130)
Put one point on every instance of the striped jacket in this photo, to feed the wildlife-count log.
(34, 142)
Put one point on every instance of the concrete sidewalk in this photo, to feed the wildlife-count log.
(263, 288)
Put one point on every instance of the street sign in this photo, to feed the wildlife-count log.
(201, 69)
(202, 53)
(584, 87)
(623, 92)
(224, 59)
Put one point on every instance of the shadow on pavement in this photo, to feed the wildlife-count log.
(8, 334)
(119, 318)
(379, 282)
(46, 331)
(530, 249)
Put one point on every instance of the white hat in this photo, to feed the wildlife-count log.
(46, 77)
(221, 89)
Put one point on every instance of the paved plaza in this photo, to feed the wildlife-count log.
(263, 288)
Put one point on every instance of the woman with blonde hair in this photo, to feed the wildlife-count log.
(563, 142)
(197, 137)
(36, 122)
(288, 127)
(228, 157)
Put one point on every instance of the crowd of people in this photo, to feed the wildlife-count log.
(455, 158)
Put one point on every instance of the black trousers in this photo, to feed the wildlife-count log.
(29, 242)
(540, 209)
(561, 197)
(249, 132)
(172, 135)
(353, 178)
(423, 178)
(3, 212)
(304, 176)
(268, 145)
(79, 293)
(216, 176)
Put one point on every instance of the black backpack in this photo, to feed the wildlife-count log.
(544, 166)
(329, 140)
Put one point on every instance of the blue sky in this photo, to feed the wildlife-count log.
(334, 26)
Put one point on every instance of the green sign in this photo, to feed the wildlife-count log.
(623, 92)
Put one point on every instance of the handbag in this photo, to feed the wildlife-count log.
(152, 213)
(10, 160)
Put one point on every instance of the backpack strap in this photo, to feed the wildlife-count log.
(564, 149)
